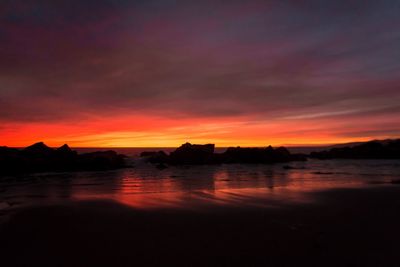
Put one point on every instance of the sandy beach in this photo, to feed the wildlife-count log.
(343, 227)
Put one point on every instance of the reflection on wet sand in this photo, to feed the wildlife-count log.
(193, 187)
(251, 215)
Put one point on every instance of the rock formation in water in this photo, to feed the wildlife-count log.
(41, 158)
(189, 154)
(369, 150)
(155, 157)
(192, 154)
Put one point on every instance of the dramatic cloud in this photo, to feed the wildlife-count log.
(126, 73)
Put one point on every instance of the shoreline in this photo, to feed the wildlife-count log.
(343, 227)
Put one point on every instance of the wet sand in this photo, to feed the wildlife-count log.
(343, 227)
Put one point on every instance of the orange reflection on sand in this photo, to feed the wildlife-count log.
(155, 194)
(192, 188)
(223, 190)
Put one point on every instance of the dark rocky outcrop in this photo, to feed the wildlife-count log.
(189, 154)
(259, 155)
(185, 154)
(155, 156)
(256, 155)
(369, 150)
(100, 160)
(192, 154)
(39, 149)
(41, 158)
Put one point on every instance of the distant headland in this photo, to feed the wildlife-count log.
(376, 149)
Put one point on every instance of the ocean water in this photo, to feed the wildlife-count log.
(135, 151)
(145, 186)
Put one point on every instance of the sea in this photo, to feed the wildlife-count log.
(143, 186)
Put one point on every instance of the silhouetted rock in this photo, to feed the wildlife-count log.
(101, 160)
(189, 154)
(9, 159)
(37, 158)
(65, 149)
(155, 156)
(39, 149)
(257, 155)
(7, 151)
(192, 154)
(41, 158)
(369, 150)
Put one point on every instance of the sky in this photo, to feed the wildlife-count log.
(119, 73)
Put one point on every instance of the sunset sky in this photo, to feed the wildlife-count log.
(159, 73)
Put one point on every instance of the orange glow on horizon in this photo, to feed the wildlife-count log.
(146, 131)
(151, 75)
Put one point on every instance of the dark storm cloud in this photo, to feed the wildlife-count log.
(267, 59)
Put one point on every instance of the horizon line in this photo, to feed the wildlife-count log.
(278, 145)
